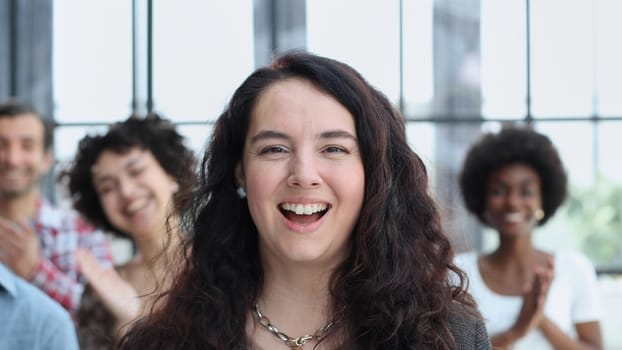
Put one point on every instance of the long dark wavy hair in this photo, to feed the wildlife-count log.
(394, 286)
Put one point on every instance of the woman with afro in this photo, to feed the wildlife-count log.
(514, 181)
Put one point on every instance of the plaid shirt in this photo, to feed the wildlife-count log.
(61, 232)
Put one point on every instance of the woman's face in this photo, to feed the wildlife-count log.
(303, 174)
(513, 196)
(134, 191)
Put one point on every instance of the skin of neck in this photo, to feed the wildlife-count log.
(153, 266)
(516, 253)
(22, 207)
(295, 298)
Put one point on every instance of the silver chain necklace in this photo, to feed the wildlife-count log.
(294, 343)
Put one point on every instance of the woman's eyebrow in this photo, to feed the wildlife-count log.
(97, 178)
(268, 134)
(334, 134)
(272, 134)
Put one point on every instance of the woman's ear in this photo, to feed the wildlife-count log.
(239, 175)
(239, 179)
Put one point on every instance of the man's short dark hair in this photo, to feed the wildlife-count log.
(14, 108)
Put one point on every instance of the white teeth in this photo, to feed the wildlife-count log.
(300, 209)
(136, 205)
(304, 209)
(513, 217)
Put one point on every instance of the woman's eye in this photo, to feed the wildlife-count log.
(334, 149)
(527, 193)
(273, 149)
(105, 190)
(495, 192)
(136, 171)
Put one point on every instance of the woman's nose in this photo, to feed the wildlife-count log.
(513, 199)
(126, 187)
(304, 172)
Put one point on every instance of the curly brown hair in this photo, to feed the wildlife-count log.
(394, 286)
(153, 133)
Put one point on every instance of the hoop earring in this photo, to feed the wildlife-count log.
(539, 214)
(241, 192)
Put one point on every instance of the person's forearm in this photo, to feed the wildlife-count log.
(560, 340)
(506, 339)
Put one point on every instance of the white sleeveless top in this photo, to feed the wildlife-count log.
(572, 298)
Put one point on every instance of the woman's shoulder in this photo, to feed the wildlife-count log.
(573, 258)
(467, 327)
(574, 271)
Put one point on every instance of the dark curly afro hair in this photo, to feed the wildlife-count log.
(513, 145)
(153, 133)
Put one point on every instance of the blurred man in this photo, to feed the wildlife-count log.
(38, 240)
(30, 319)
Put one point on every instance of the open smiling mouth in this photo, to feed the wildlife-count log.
(304, 214)
(136, 205)
(513, 217)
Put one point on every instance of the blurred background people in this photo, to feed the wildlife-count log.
(30, 319)
(124, 182)
(312, 228)
(514, 181)
(37, 239)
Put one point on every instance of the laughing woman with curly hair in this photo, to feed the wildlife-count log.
(126, 182)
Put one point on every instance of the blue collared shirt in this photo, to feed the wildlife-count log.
(29, 319)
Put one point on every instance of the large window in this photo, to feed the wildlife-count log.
(574, 73)
(201, 51)
(92, 66)
(184, 58)
(465, 66)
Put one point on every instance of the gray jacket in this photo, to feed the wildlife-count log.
(469, 334)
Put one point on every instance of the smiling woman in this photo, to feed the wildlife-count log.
(303, 174)
(514, 181)
(336, 243)
(125, 181)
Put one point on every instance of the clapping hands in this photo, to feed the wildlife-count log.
(534, 298)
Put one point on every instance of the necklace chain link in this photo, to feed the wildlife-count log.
(294, 343)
